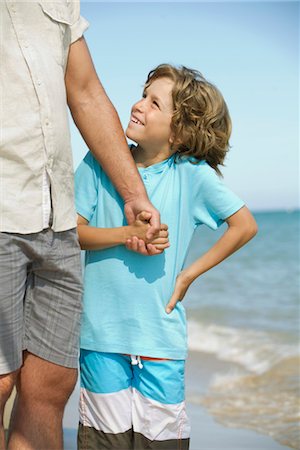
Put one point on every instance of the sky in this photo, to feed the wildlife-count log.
(249, 50)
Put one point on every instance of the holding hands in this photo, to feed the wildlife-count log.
(134, 236)
(139, 241)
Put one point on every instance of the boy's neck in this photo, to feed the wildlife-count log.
(148, 157)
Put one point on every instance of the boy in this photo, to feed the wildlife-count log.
(132, 348)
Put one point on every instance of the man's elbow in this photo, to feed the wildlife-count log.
(82, 91)
(78, 101)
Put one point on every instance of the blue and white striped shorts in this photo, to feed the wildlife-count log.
(128, 403)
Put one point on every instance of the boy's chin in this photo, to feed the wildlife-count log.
(130, 136)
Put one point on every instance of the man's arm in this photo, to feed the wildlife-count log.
(241, 228)
(99, 124)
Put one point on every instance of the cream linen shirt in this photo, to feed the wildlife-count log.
(35, 143)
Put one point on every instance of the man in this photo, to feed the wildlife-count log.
(45, 64)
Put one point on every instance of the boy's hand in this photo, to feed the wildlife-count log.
(181, 286)
(140, 226)
(133, 207)
(140, 245)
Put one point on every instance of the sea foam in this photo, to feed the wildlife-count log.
(256, 351)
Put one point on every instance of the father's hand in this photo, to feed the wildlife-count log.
(155, 246)
(133, 207)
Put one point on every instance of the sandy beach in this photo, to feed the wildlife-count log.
(207, 434)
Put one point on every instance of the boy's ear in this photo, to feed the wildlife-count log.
(172, 138)
(174, 141)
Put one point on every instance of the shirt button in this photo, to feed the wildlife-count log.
(26, 44)
(39, 82)
(47, 123)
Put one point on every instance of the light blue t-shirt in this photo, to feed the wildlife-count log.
(125, 293)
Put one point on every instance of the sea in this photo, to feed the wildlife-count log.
(246, 311)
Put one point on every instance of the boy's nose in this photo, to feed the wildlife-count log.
(139, 106)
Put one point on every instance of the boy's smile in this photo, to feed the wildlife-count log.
(150, 121)
(135, 120)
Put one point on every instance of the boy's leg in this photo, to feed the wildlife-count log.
(105, 407)
(159, 415)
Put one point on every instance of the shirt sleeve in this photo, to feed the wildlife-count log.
(78, 28)
(214, 201)
(86, 187)
(78, 23)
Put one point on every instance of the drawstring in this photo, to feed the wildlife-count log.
(136, 361)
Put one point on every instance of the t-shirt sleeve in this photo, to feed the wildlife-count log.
(214, 201)
(86, 187)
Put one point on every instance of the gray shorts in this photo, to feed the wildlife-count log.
(40, 297)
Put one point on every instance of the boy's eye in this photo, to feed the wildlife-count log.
(155, 103)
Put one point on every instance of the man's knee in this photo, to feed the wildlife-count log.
(58, 387)
(42, 382)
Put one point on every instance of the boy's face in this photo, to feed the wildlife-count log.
(150, 121)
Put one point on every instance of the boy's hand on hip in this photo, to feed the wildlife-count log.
(181, 286)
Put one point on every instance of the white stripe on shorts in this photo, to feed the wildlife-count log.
(159, 421)
(110, 413)
(117, 412)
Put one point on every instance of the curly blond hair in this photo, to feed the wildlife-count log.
(201, 124)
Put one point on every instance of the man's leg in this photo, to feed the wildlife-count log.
(13, 275)
(43, 389)
(52, 308)
(6, 386)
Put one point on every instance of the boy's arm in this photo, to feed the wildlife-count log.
(241, 228)
(94, 238)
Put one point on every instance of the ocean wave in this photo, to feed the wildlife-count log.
(256, 351)
(267, 403)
